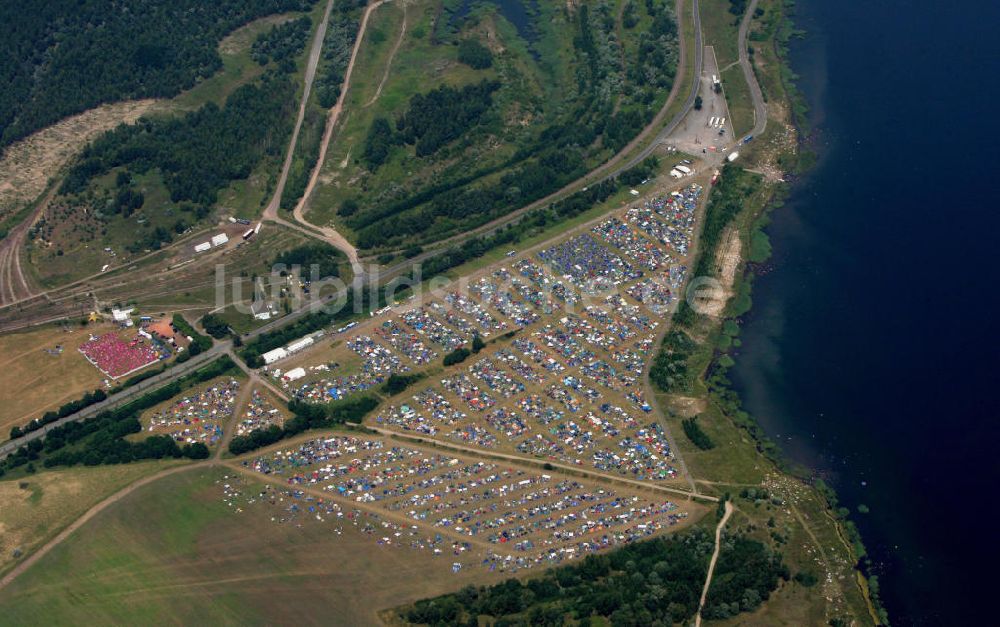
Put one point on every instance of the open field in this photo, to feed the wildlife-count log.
(178, 551)
(33, 381)
(738, 98)
(51, 500)
(720, 28)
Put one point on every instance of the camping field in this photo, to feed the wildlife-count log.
(33, 381)
(175, 552)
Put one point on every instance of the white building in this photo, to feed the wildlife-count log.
(202, 247)
(220, 239)
(298, 345)
(123, 316)
(272, 356)
(295, 373)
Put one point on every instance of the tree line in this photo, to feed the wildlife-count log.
(325, 257)
(341, 31)
(535, 221)
(430, 121)
(62, 57)
(101, 438)
(656, 581)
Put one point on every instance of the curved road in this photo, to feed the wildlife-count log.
(588, 179)
(759, 108)
(334, 237)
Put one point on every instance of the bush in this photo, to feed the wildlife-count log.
(215, 326)
(199, 343)
(474, 54)
(694, 433)
(396, 383)
(456, 356)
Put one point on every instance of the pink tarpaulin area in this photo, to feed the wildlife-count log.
(116, 357)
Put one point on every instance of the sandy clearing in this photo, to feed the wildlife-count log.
(27, 165)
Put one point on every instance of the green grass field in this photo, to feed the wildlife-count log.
(37, 507)
(720, 29)
(738, 99)
(174, 552)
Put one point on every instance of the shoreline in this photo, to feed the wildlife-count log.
(806, 158)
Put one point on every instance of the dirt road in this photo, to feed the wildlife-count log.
(90, 513)
(388, 63)
(331, 234)
(13, 284)
(614, 166)
(534, 462)
(711, 564)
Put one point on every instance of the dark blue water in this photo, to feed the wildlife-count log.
(517, 12)
(871, 352)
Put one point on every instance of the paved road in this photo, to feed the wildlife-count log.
(759, 107)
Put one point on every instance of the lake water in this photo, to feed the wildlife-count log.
(871, 351)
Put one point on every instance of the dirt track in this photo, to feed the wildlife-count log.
(271, 212)
(711, 564)
(388, 63)
(332, 236)
(90, 513)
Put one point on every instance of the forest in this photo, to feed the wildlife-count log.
(200, 152)
(431, 121)
(62, 57)
(670, 372)
(657, 581)
(282, 43)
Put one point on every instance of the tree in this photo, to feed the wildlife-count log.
(215, 326)
(456, 356)
(477, 343)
